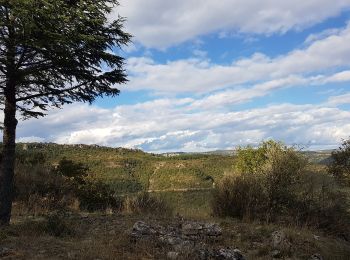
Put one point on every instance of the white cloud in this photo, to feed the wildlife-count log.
(160, 24)
(201, 76)
(339, 77)
(160, 126)
(339, 100)
(246, 94)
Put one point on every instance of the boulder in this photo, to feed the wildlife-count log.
(229, 254)
(197, 229)
(172, 255)
(141, 230)
(188, 238)
(316, 257)
(4, 251)
(280, 241)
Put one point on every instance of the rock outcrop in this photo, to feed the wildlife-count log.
(190, 238)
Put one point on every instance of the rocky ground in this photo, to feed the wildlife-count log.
(96, 236)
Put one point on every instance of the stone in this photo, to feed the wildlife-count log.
(172, 255)
(192, 229)
(316, 257)
(212, 229)
(141, 229)
(170, 240)
(4, 251)
(280, 241)
(184, 245)
(276, 254)
(188, 237)
(229, 254)
(196, 229)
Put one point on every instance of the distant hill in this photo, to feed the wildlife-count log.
(132, 170)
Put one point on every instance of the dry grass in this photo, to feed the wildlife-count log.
(102, 236)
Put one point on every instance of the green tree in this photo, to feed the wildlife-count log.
(339, 166)
(53, 52)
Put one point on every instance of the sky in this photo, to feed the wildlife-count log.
(208, 75)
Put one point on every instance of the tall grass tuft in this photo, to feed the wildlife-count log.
(146, 204)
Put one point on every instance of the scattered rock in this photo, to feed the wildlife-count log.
(316, 237)
(141, 229)
(196, 229)
(229, 254)
(276, 254)
(280, 241)
(172, 255)
(316, 257)
(187, 238)
(4, 251)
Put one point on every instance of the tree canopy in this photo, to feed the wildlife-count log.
(53, 52)
(59, 51)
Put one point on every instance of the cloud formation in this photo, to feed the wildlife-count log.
(201, 76)
(164, 125)
(193, 102)
(160, 24)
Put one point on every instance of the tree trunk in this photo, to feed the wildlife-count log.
(8, 157)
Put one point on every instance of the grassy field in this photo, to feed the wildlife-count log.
(104, 236)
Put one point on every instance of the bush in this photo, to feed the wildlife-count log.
(57, 225)
(239, 196)
(43, 188)
(274, 184)
(72, 170)
(40, 190)
(96, 195)
(144, 203)
(339, 166)
(263, 181)
(321, 203)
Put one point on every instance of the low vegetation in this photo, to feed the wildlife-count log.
(339, 165)
(275, 183)
(83, 193)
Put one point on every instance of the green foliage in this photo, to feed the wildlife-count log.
(56, 225)
(96, 195)
(129, 170)
(273, 183)
(339, 166)
(53, 51)
(322, 204)
(40, 189)
(250, 160)
(274, 167)
(49, 187)
(70, 169)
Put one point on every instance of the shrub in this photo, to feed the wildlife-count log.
(57, 225)
(72, 170)
(96, 195)
(273, 183)
(40, 190)
(239, 196)
(263, 181)
(144, 203)
(321, 203)
(339, 166)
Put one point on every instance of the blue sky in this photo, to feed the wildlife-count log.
(218, 75)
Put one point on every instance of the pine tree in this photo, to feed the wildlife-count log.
(53, 52)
